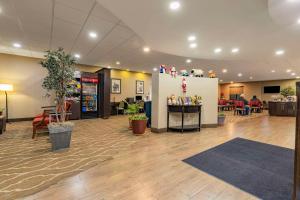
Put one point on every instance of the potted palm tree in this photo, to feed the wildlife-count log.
(60, 67)
(139, 123)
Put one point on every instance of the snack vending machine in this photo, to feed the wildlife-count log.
(89, 95)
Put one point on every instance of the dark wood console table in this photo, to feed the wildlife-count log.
(282, 108)
(184, 109)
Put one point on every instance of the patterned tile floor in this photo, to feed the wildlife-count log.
(28, 166)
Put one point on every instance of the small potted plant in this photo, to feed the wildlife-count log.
(60, 73)
(132, 109)
(139, 123)
(287, 92)
(221, 118)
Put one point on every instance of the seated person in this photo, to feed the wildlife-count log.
(254, 98)
(247, 108)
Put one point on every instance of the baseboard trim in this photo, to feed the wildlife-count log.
(158, 130)
(163, 130)
(20, 119)
(209, 125)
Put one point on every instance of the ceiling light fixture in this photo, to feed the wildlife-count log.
(298, 77)
(146, 49)
(93, 34)
(250, 77)
(174, 5)
(155, 69)
(224, 70)
(191, 38)
(235, 50)
(298, 21)
(293, 74)
(273, 71)
(193, 45)
(279, 52)
(218, 50)
(231, 82)
(240, 74)
(288, 70)
(76, 55)
(108, 67)
(221, 80)
(1, 10)
(188, 61)
(118, 63)
(17, 45)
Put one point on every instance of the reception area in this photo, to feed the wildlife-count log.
(158, 100)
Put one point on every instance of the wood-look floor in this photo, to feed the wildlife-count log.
(152, 168)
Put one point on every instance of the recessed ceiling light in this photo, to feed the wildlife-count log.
(279, 52)
(108, 67)
(224, 70)
(193, 45)
(240, 74)
(93, 34)
(221, 80)
(250, 77)
(235, 50)
(273, 71)
(146, 49)
(218, 50)
(191, 38)
(155, 69)
(298, 21)
(174, 5)
(118, 63)
(298, 77)
(1, 10)
(77, 55)
(231, 82)
(188, 61)
(288, 70)
(293, 74)
(17, 45)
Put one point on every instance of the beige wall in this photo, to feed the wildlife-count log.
(128, 84)
(164, 86)
(26, 75)
(256, 88)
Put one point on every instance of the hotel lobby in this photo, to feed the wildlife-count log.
(149, 100)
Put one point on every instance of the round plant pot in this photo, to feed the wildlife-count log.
(221, 120)
(139, 126)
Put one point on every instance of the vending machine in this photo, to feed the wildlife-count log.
(89, 95)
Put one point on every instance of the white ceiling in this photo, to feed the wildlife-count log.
(257, 27)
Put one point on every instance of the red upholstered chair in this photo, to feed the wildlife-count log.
(255, 106)
(222, 104)
(41, 121)
(239, 107)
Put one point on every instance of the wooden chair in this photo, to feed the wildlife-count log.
(41, 121)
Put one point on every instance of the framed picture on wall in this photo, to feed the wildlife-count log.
(140, 87)
(115, 86)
